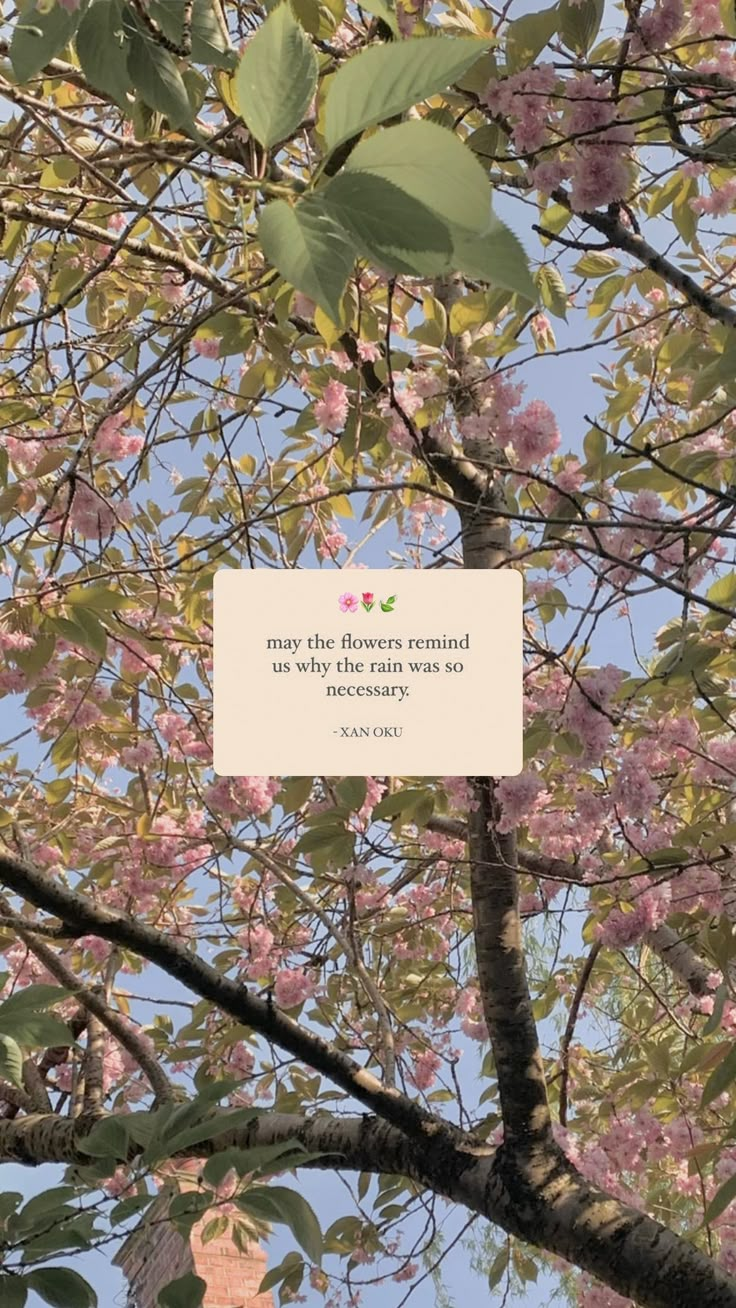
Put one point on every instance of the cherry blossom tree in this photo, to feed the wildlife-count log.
(280, 287)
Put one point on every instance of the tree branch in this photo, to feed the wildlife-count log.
(84, 917)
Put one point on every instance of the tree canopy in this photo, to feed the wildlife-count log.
(283, 286)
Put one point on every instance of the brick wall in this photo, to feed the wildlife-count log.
(155, 1254)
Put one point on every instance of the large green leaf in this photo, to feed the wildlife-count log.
(22, 1017)
(390, 228)
(13, 1291)
(497, 257)
(433, 166)
(579, 24)
(527, 36)
(276, 78)
(275, 1203)
(101, 49)
(721, 1200)
(308, 248)
(387, 79)
(155, 75)
(11, 1061)
(31, 999)
(720, 1078)
(186, 1292)
(109, 1138)
(39, 35)
(208, 41)
(62, 1288)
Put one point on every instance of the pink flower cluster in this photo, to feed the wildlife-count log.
(331, 411)
(520, 796)
(111, 440)
(424, 1072)
(532, 432)
(293, 985)
(587, 711)
(524, 98)
(243, 796)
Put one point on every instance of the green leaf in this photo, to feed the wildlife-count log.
(276, 78)
(295, 793)
(262, 1158)
(13, 1291)
(103, 599)
(719, 1003)
(186, 1292)
(432, 166)
(723, 591)
(580, 23)
(11, 1061)
(308, 248)
(387, 79)
(526, 37)
(389, 227)
(31, 999)
(33, 1031)
(44, 1203)
(157, 79)
(382, 9)
(275, 1203)
(62, 1288)
(39, 35)
(208, 41)
(402, 801)
(720, 1078)
(108, 1138)
(720, 1201)
(352, 791)
(728, 17)
(552, 289)
(101, 50)
(496, 257)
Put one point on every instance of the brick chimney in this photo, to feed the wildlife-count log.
(155, 1253)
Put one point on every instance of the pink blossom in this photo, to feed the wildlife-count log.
(470, 1009)
(292, 987)
(534, 433)
(659, 26)
(332, 410)
(90, 514)
(243, 796)
(706, 18)
(587, 711)
(348, 603)
(172, 288)
(368, 351)
(207, 347)
(599, 177)
(111, 440)
(407, 1273)
(519, 797)
(633, 789)
(136, 660)
(426, 1066)
(332, 543)
(524, 98)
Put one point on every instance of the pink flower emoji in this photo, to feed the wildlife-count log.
(348, 603)
(367, 600)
